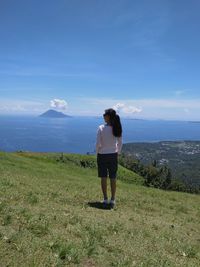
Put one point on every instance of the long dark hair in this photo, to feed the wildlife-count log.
(114, 121)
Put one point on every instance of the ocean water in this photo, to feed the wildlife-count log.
(78, 134)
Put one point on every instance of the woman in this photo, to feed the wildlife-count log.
(108, 146)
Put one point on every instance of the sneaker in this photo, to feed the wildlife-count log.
(105, 203)
(112, 203)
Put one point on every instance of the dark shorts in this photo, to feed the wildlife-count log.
(107, 165)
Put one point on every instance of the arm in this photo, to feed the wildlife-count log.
(119, 144)
(98, 140)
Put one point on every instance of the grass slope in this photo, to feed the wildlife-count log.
(45, 218)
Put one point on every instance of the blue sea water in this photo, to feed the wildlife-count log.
(78, 134)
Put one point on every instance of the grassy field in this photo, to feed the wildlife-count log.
(50, 216)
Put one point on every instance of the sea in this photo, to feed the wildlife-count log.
(78, 134)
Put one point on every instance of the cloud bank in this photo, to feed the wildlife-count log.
(175, 109)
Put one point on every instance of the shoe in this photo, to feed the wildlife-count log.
(112, 203)
(105, 203)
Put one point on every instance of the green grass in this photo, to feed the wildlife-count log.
(45, 218)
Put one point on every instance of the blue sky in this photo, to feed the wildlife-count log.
(141, 57)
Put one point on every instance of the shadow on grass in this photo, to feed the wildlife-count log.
(99, 205)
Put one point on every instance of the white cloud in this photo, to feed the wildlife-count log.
(131, 109)
(58, 104)
(121, 107)
(118, 107)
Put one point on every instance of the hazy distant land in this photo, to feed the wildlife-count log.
(54, 114)
(183, 157)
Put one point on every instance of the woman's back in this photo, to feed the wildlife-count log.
(106, 141)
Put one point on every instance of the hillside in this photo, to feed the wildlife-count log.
(50, 216)
(183, 157)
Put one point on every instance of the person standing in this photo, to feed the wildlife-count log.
(108, 147)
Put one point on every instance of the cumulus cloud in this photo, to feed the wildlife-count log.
(121, 107)
(118, 107)
(58, 104)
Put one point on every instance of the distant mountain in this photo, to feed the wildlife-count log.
(54, 114)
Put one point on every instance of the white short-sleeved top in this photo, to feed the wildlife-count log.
(106, 142)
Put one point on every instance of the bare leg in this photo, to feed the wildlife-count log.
(113, 188)
(104, 187)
